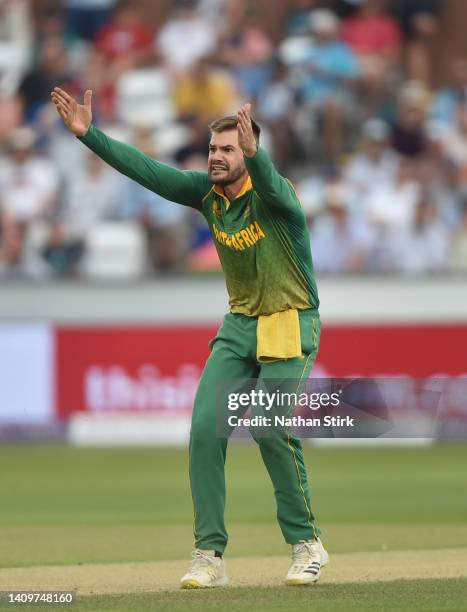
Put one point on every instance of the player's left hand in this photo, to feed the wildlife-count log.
(246, 138)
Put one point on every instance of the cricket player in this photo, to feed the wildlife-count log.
(271, 332)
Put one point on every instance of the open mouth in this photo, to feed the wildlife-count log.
(217, 168)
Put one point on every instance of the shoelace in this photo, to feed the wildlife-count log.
(301, 555)
(202, 563)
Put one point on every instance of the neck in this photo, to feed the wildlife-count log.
(231, 191)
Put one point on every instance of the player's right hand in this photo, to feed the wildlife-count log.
(77, 117)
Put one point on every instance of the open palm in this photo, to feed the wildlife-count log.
(77, 117)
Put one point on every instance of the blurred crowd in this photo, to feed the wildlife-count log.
(343, 92)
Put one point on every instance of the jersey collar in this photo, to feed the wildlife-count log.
(247, 185)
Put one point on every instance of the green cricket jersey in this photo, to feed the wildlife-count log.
(261, 236)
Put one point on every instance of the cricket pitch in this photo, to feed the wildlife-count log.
(139, 577)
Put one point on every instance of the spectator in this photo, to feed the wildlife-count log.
(275, 107)
(423, 247)
(297, 18)
(446, 100)
(126, 42)
(400, 194)
(419, 20)
(339, 242)
(95, 75)
(330, 69)
(53, 70)
(392, 204)
(203, 257)
(218, 13)
(164, 223)
(311, 191)
(248, 52)
(454, 139)
(16, 40)
(28, 192)
(375, 164)
(439, 177)
(448, 192)
(375, 38)
(196, 144)
(50, 23)
(344, 8)
(409, 135)
(91, 196)
(206, 92)
(185, 38)
(11, 115)
(390, 208)
(372, 34)
(85, 18)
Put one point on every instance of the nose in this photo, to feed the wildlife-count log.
(215, 158)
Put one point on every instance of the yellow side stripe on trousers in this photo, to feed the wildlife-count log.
(294, 454)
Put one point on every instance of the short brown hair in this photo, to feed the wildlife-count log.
(229, 122)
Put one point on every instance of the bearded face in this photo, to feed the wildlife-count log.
(225, 161)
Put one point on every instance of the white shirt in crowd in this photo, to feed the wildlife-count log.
(184, 41)
(335, 247)
(90, 199)
(417, 251)
(16, 39)
(454, 144)
(27, 188)
(362, 172)
(391, 204)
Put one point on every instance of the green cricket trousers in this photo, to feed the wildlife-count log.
(233, 356)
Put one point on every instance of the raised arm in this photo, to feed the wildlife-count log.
(275, 190)
(181, 186)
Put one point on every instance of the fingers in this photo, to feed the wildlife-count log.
(63, 113)
(242, 122)
(57, 99)
(242, 114)
(62, 94)
(63, 109)
(59, 102)
(62, 102)
(245, 110)
(243, 117)
(241, 132)
(87, 97)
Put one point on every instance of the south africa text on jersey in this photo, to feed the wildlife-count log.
(241, 240)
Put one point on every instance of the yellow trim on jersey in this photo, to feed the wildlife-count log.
(247, 185)
(209, 192)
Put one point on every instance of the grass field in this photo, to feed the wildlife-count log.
(116, 525)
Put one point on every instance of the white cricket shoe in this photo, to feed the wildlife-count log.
(206, 570)
(308, 557)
